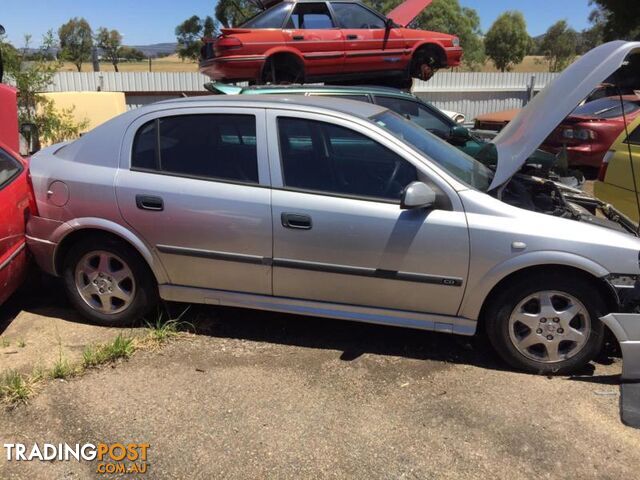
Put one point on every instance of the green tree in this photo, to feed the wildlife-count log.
(620, 19)
(76, 41)
(559, 46)
(32, 77)
(132, 54)
(231, 13)
(110, 41)
(189, 34)
(507, 41)
(208, 27)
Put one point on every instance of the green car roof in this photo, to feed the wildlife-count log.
(223, 88)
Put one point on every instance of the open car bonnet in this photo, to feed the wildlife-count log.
(407, 11)
(526, 132)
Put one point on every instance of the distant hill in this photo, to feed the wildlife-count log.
(157, 49)
(153, 50)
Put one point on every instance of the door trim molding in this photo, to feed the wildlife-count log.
(214, 255)
(313, 266)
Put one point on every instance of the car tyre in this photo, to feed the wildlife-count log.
(532, 326)
(108, 282)
(282, 70)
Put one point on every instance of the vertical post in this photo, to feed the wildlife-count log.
(531, 89)
(149, 63)
(94, 59)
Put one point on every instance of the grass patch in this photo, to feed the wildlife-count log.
(5, 342)
(120, 347)
(22, 343)
(164, 328)
(61, 369)
(15, 388)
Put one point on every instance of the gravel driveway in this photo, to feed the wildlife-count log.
(263, 395)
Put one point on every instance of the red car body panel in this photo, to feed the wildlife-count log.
(16, 203)
(240, 54)
(407, 11)
(8, 117)
(589, 152)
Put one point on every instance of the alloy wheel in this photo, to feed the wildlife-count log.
(549, 326)
(105, 282)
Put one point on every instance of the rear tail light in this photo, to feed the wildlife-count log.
(582, 134)
(225, 43)
(605, 163)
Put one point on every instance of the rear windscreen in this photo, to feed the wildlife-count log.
(606, 108)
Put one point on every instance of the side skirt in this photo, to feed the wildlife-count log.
(381, 316)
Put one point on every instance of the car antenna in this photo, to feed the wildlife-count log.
(626, 133)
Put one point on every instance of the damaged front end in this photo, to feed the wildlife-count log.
(552, 198)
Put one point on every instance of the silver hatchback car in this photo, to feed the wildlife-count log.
(336, 208)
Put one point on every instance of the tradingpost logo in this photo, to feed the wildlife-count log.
(112, 458)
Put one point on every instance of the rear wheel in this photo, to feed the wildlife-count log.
(108, 282)
(282, 70)
(547, 323)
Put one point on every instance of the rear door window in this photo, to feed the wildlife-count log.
(10, 168)
(352, 15)
(310, 16)
(221, 146)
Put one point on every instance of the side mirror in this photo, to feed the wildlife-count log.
(460, 133)
(417, 195)
(30, 133)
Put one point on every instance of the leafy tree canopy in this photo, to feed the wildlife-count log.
(507, 41)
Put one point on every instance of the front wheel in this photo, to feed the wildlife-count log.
(108, 282)
(547, 323)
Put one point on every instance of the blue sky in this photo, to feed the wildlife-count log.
(152, 21)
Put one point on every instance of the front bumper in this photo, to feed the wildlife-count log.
(626, 328)
(454, 56)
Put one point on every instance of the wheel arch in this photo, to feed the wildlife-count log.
(608, 294)
(430, 45)
(108, 230)
(282, 52)
(478, 291)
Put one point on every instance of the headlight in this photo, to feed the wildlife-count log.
(455, 42)
(459, 119)
(622, 281)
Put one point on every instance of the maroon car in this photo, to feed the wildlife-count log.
(591, 129)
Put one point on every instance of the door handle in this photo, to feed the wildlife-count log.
(296, 221)
(352, 37)
(149, 202)
(298, 37)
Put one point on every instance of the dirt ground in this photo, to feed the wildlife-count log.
(265, 395)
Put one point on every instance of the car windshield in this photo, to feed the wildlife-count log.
(457, 163)
(606, 108)
(271, 18)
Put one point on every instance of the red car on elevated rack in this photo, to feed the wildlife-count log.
(296, 41)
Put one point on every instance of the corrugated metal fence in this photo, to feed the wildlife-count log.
(472, 93)
(475, 93)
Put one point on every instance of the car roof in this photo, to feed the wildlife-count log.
(352, 107)
(295, 88)
(362, 89)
